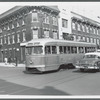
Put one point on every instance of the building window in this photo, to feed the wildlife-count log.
(73, 26)
(8, 28)
(64, 23)
(95, 41)
(46, 19)
(0, 30)
(94, 30)
(8, 39)
(18, 38)
(13, 39)
(83, 38)
(74, 37)
(46, 33)
(54, 20)
(79, 38)
(35, 33)
(78, 26)
(91, 30)
(55, 35)
(34, 16)
(4, 39)
(12, 26)
(1, 42)
(87, 29)
(17, 24)
(98, 41)
(97, 31)
(91, 40)
(24, 36)
(83, 28)
(4, 28)
(23, 22)
(87, 39)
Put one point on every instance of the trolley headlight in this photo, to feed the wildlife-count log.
(31, 62)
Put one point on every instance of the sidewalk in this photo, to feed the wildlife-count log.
(2, 64)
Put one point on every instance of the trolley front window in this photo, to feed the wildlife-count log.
(34, 50)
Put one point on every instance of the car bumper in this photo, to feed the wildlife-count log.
(86, 67)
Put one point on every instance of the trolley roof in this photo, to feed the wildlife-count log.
(58, 42)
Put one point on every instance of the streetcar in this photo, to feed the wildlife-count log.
(50, 54)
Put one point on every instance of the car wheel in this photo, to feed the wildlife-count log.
(82, 70)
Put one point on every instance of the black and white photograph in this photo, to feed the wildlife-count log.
(49, 49)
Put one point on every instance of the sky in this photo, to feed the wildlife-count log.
(88, 9)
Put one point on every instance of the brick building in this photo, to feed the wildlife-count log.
(81, 28)
(85, 29)
(24, 23)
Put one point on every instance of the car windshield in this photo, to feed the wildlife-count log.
(90, 56)
(34, 50)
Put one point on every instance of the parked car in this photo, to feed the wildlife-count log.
(90, 61)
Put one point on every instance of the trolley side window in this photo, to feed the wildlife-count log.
(69, 49)
(50, 50)
(54, 50)
(47, 50)
(61, 49)
(73, 50)
(65, 50)
(81, 50)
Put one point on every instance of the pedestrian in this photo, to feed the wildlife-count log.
(5, 60)
(9, 60)
(16, 61)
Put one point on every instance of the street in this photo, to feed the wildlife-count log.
(65, 82)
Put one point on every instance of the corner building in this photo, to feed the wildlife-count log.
(24, 23)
